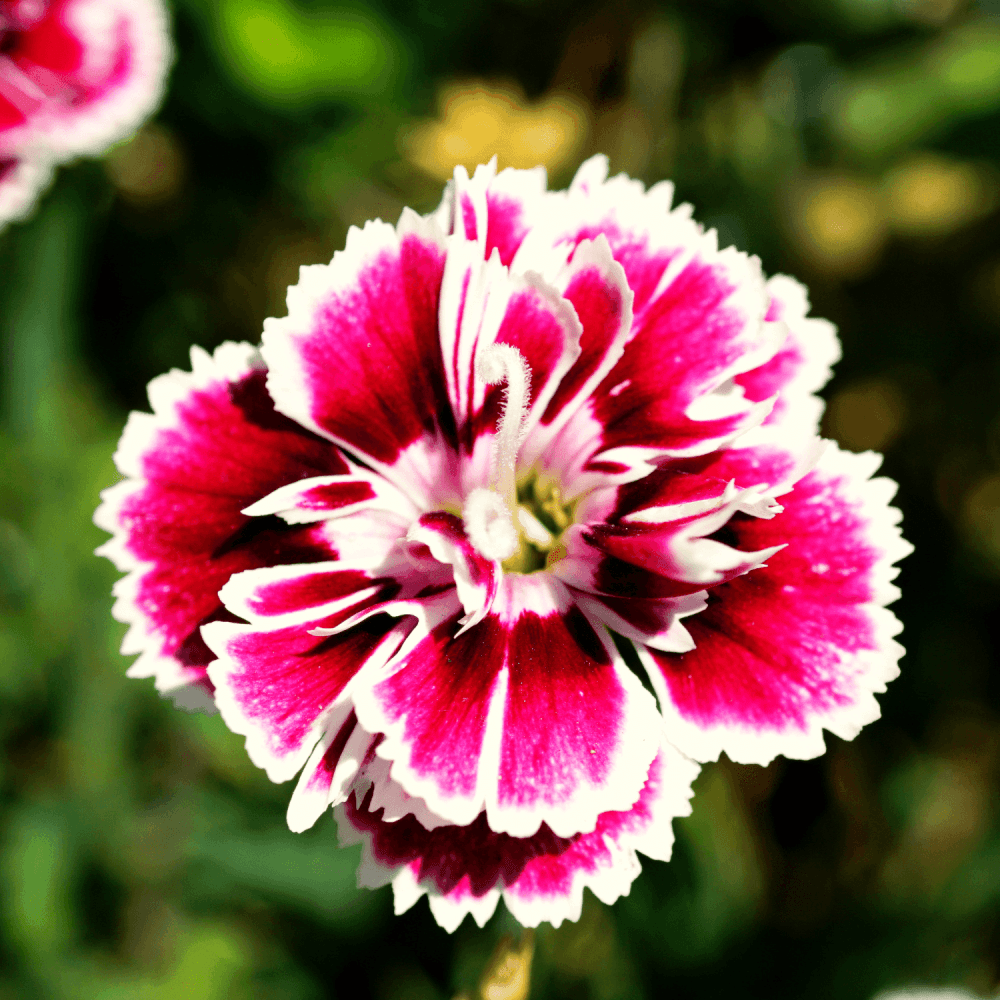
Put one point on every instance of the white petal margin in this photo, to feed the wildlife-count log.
(856, 677)
(549, 888)
(20, 186)
(230, 363)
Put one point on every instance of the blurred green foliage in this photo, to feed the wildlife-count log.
(854, 143)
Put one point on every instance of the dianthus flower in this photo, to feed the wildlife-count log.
(494, 465)
(76, 76)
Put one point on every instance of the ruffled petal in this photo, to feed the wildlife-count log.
(802, 644)
(282, 687)
(310, 630)
(530, 714)
(329, 771)
(212, 446)
(802, 365)
(655, 622)
(509, 202)
(596, 286)
(698, 322)
(328, 497)
(662, 526)
(357, 358)
(466, 869)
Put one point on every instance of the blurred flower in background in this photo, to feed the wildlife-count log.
(76, 76)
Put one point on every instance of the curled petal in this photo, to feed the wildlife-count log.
(482, 303)
(281, 687)
(83, 76)
(477, 578)
(334, 496)
(666, 533)
(594, 283)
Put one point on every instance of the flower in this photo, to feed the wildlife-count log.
(76, 76)
(495, 466)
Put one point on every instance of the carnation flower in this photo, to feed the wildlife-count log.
(76, 76)
(499, 474)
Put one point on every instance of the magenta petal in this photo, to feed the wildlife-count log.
(595, 285)
(803, 363)
(513, 200)
(802, 644)
(661, 526)
(325, 497)
(358, 360)
(530, 714)
(181, 534)
(279, 687)
(495, 210)
(436, 704)
(466, 869)
(481, 304)
(327, 773)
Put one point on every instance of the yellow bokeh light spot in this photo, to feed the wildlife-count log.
(476, 121)
(838, 222)
(928, 194)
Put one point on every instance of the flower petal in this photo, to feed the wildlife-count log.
(595, 285)
(335, 496)
(803, 364)
(465, 869)
(281, 687)
(477, 578)
(357, 359)
(698, 320)
(482, 303)
(509, 202)
(531, 714)
(661, 525)
(801, 645)
(330, 769)
(180, 533)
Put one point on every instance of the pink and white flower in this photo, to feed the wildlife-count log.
(76, 76)
(494, 466)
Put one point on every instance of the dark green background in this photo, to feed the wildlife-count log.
(142, 856)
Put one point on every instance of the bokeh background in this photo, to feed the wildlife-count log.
(853, 143)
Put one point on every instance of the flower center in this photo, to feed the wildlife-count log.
(519, 524)
(542, 516)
